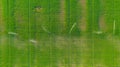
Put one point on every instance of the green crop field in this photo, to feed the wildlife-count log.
(59, 33)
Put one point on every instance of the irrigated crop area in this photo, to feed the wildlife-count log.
(59, 33)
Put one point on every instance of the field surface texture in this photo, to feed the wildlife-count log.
(59, 33)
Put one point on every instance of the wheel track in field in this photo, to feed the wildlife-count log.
(83, 20)
(102, 19)
(62, 15)
(2, 24)
(102, 24)
(1, 18)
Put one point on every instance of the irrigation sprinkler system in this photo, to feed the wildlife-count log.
(33, 41)
(72, 28)
(114, 27)
(12, 33)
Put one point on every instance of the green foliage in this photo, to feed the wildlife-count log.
(39, 20)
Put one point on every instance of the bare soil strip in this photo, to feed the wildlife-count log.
(1, 19)
(62, 15)
(102, 23)
(103, 26)
(83, 20)
(2, 27)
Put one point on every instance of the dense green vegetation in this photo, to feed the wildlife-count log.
(33, 34)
